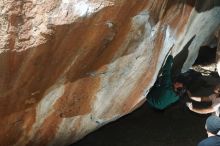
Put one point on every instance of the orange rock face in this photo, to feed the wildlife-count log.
(67, 67)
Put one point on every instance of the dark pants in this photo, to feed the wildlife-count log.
(210, 141)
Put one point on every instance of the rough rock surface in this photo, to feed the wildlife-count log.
(69, 66)
(218, 51)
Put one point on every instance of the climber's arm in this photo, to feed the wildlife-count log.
(200, 99)
(204, 98)
(200, 111)
(166, 72)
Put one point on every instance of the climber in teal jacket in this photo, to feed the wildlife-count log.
(165, 92)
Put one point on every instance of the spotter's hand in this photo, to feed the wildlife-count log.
(189, 105)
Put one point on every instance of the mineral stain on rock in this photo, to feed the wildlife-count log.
(63, 61)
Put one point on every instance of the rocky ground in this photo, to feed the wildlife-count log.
(176, 126)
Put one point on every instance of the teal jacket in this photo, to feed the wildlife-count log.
(163, 95)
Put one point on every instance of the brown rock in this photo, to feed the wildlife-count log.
(218, 52)
(67, 67)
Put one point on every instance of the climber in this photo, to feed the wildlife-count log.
(165, 92)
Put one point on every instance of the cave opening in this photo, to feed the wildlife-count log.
(206, 56)
(206, 62)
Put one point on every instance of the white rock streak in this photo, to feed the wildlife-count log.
(82, 7)
(66, 128)
(70, 10)
(201, 26)
(125, 71)
(45, 107)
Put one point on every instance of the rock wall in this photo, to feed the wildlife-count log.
(68, 67)
(218, 51)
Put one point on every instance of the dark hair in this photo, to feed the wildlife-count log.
(181, 79)
(182, 92)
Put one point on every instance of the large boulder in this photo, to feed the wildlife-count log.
(218, 51)
(68, 67)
